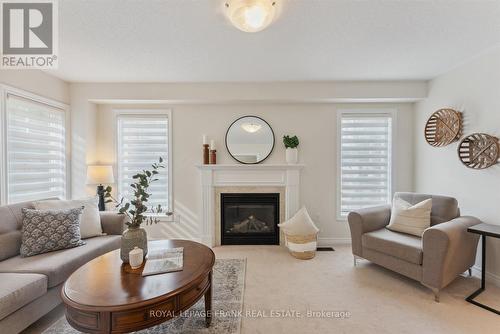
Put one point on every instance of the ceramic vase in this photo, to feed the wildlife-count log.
(292, 155)
(133, 237)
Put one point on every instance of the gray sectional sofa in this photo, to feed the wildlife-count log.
(30, 287)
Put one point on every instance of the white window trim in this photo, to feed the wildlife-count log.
(145, 113)
(6, 90)
(391, 112)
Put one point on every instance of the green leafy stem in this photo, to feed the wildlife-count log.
(136, 209)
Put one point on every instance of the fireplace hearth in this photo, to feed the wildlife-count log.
(249, 218)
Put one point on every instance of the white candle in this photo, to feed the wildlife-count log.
(135, 257)
(205, 140)
(212, 144)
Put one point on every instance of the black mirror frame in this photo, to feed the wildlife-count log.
(250, 163)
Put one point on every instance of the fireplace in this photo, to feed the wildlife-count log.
(250, 219)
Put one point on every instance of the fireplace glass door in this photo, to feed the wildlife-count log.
(250, 219)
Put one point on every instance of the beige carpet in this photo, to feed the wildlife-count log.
(379, 301)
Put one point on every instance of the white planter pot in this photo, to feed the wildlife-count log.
(292, 156)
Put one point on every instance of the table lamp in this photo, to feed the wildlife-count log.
(100, 175)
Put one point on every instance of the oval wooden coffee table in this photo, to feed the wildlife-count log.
(105, 296)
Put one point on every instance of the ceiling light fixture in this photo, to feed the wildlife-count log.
(251, 15)
(251, 127)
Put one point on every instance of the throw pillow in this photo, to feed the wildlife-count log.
(45, 231)
(410, 219)
(300, 224)
(90, 225)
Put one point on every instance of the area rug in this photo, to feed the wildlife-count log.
(227, 303)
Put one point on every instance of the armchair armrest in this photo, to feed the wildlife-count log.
(112, 223)
(449, 250)
(366, 220)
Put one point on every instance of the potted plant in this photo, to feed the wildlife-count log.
(137, 211)
(291, 144)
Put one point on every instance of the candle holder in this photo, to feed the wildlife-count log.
(213, 157)
(206, 159)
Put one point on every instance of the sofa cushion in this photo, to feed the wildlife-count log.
(90, 225)
(403, 246)
(50, 230)
(58, 265)
(10, 226)
(300, 224)
(18, 290)
(10, 243)
(444, 208)
(410, 219)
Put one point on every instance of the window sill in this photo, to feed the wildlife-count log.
(174, 218)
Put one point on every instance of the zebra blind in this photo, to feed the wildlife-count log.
(36, 150)
(142, 140)
(365, 161)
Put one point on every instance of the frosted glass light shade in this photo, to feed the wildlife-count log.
(251, 127)
(251, 15)
(100, 175)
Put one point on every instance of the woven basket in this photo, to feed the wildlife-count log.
(295, 241)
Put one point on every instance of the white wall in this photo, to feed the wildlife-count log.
(83, 142)
(314, 124)
(297, 108)
(305, 109)
(473, 89)
(37, 82)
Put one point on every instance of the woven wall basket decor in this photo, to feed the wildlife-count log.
(443, 127)
(479, 151)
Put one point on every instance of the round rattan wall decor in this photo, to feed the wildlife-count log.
(443, 127)
(479, 151)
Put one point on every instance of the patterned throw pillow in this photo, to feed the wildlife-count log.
(50, 230)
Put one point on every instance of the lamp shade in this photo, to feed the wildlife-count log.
(100, 175)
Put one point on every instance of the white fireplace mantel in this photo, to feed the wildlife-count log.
(235, 175)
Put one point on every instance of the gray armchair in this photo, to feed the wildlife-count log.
(444, 251)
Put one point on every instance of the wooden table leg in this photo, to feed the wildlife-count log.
(208, 302)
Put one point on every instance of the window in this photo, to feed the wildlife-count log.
(35, 149)
(365, 170)
(143, 137)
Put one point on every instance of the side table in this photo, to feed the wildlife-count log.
(485, 230)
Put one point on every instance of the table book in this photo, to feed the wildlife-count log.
(163, 261)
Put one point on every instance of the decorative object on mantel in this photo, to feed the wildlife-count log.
(479, 151)
(292, 153)
(135, 209)
(443, 127)
(213, 157)
(213, 153)
(205, 151)
(250, 140)
(301, 235)
(100, 175)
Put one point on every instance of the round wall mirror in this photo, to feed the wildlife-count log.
(250, 140)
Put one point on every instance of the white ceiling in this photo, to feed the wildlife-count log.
(191, 41)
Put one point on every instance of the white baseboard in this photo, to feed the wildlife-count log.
(322, 242)
(490, 277)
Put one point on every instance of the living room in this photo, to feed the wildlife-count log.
(326, 166)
